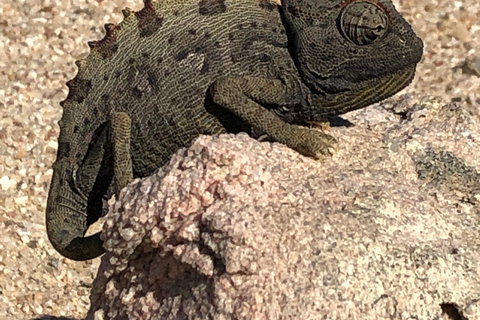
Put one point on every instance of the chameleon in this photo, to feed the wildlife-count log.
(177, 69)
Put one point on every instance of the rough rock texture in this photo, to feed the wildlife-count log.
(237, 229)
(39, 42)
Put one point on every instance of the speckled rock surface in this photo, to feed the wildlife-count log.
(39, 42)
(237, 229)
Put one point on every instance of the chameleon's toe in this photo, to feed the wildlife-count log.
(315, 143)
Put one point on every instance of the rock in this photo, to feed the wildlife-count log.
(233, 228)
(471, 66)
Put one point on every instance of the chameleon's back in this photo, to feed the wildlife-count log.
(157, 66)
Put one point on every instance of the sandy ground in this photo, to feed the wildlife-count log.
(39, 42)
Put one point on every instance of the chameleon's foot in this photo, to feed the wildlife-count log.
(314, 143)
(322, 125)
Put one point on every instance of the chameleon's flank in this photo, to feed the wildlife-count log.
(181, 68)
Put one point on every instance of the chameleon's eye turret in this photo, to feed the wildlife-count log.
(362, 22)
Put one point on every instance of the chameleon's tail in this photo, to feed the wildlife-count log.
(66, 219)
(75, 199)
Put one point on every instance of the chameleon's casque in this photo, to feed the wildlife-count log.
(181, 68)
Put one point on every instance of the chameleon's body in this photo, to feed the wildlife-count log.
(180, 68)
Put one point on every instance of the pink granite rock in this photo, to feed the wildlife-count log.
(233, 228)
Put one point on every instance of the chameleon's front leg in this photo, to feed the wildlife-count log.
(239, 95)
(121, 125)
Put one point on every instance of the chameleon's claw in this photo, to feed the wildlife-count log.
(314, 143)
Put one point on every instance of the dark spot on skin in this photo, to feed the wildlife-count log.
(64, 148)
(264, 58)
(159, 60)
(108, 45)
(105, 78)
(95, 111)
(192, 32)
(76, 129)
(216, 44)
(59, 199)
(211, 7)
(153, 80)
(86, 121)
(105, 97)
(207, 35)
(78, 89)
(171, 122)
(280, 44)
(149, 21)
(137, 93)
(117, 73)
(176, 13)
(292, 9)
(231, 36)
(265, 4)
(146, 55)
(205, 67)
(181, 55)
(131, 61)
(167, 73)
(249, 42)
(251, 68)
(170, 40)
(78, 155)
(253, 25)
(149, 123)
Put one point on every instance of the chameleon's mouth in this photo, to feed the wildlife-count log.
(388, 86)
(369, 92)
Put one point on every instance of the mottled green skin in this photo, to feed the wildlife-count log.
(178, 69)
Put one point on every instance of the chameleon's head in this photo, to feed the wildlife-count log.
(351, 52)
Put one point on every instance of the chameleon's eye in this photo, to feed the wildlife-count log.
(362, 22)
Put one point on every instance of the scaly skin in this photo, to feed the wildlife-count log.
(178, 69)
